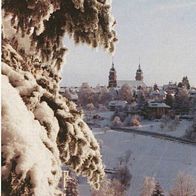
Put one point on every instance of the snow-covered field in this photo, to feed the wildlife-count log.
(149, 157)
(155, 126)
(168, 128)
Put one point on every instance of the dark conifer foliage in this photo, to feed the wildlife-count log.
(46, 22)
(158, 191)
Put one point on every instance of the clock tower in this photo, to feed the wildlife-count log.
(112, 77)
(139, 74)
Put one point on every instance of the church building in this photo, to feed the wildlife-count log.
(134, 84)
(112, 83)
(139, 74)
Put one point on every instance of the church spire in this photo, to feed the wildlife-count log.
(139, 67)
(139, 72)
(112, 62)
(112, 76)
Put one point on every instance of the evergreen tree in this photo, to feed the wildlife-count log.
(182, 102)
(169, 100)
(180, 85)
(32, 54)
(155, 87)
(158, 190)
(72, 187)
(185, 82)
(191, 132)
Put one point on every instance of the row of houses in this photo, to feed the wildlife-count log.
(154, 109)
(154, 105)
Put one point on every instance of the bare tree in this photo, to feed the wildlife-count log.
(148, 186)
(125, 93)
(117, 122)
(135, 120)
(110, 188)
(123, 173)
(86, 94)
(184, 185)
(104, 96)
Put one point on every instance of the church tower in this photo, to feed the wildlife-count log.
(112, 77)
(139, 74)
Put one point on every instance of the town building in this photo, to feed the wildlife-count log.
(158, 95)
(157, 109)
(171, 88)
(117, 105)
(134, 84)
(139, 74)
(192, 93)
(112, 77)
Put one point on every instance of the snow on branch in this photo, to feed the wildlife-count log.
(41, 129)
(45, 23)
(28, 166)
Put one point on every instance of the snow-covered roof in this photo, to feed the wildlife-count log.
(117, 103)
(158, 93)
(132, 83)
(157, 105)
(155, 93)
(170, 86)
(74, 96)
(133, 104)
(192, 93)
(163, 93)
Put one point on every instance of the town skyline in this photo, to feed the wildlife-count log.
(161, 33)
(127, 79)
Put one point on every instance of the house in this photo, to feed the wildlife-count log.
(157, 109)
(117, 105)
(192, 93)
(170, 88)
(158, 95)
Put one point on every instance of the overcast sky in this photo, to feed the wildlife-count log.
(161, 32)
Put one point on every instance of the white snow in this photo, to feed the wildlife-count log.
(133, 83)
(157, 105)
(149, 156)
(155, 126)
(22, 140)
(84, 190)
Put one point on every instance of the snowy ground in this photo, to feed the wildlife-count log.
(168, 128)
(149, 156)
(155, 126)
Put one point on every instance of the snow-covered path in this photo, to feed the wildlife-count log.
(157, 135)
